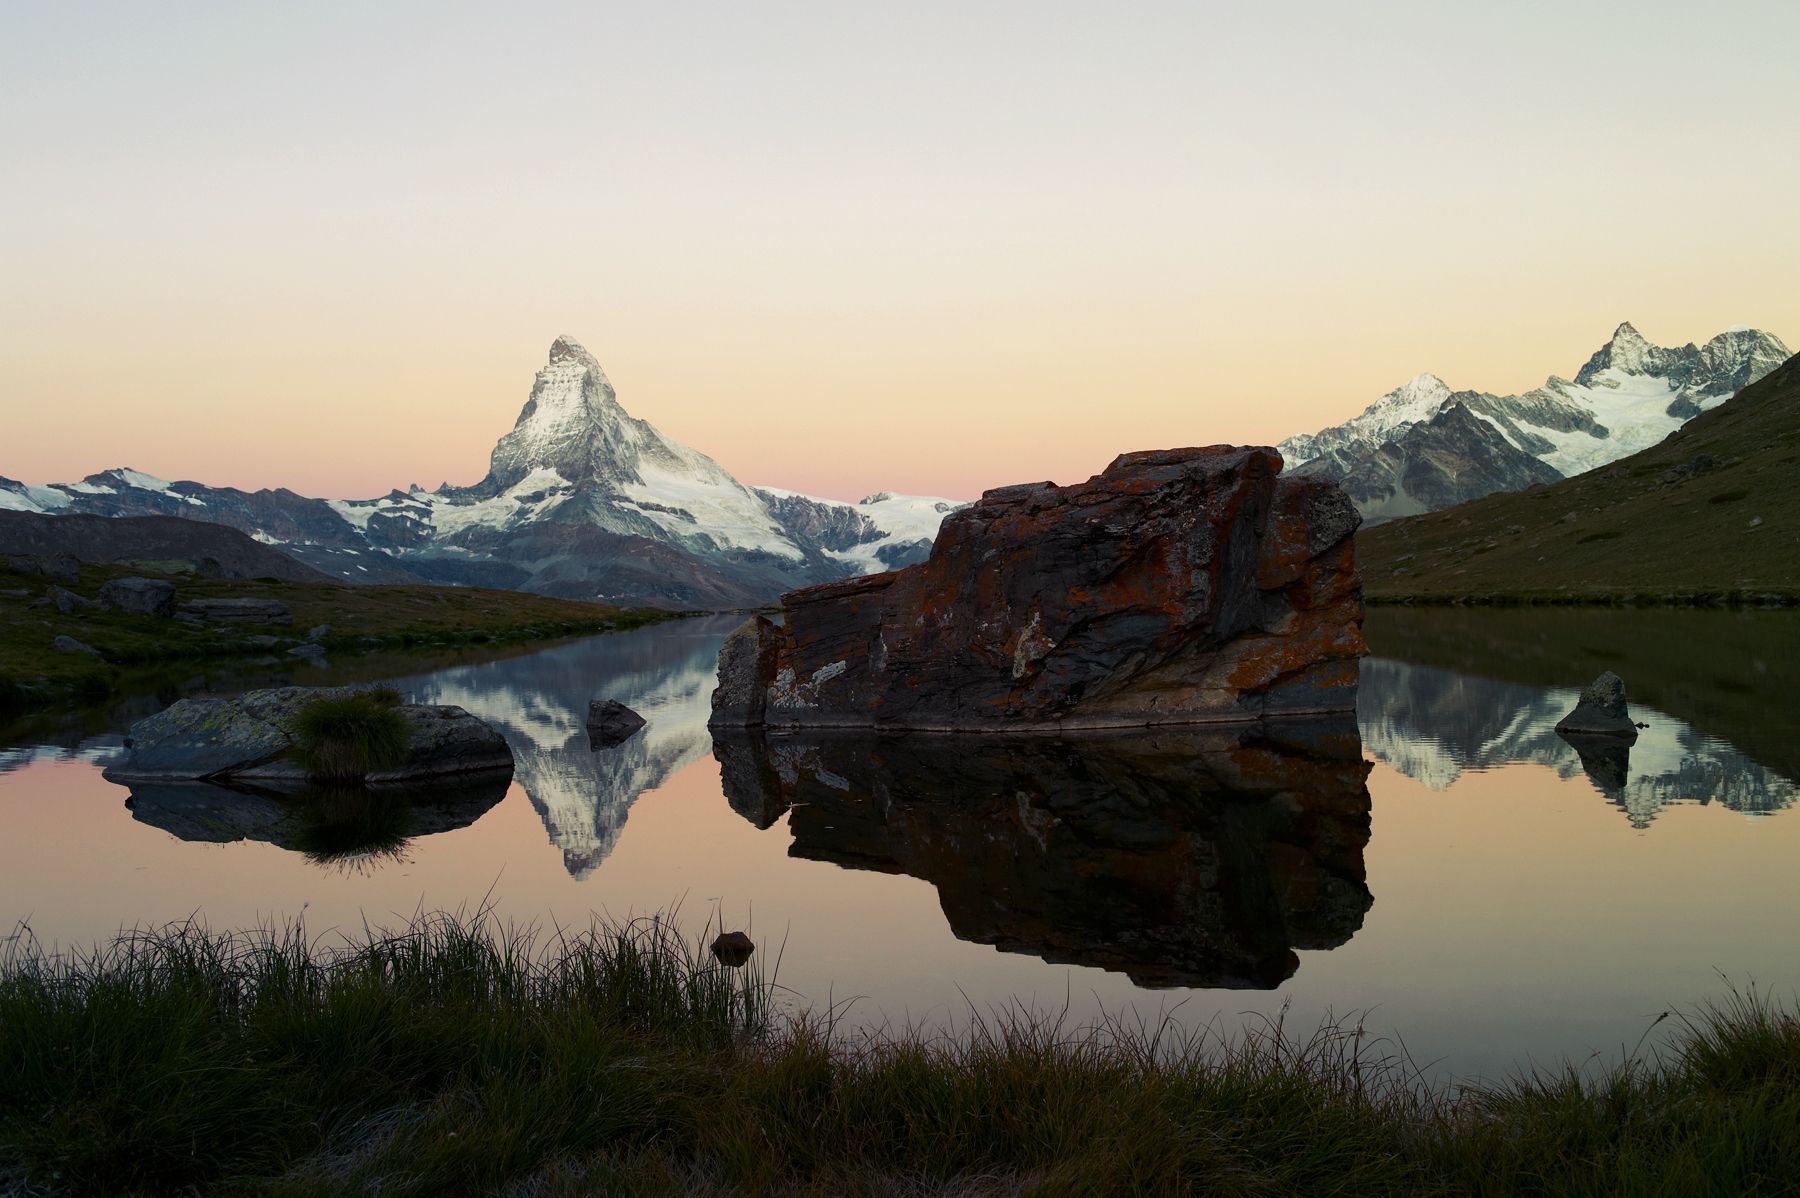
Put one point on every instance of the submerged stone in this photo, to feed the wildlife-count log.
(1176, 587)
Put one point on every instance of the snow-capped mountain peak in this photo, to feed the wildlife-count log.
(1417, 399)
(581, 500)
(1423, 447)
(1629, 352)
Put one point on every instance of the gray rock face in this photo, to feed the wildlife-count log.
(1601, 711)
(249, 738)
(609, 722)
(240, 611)
(68, 644)
(140, 596)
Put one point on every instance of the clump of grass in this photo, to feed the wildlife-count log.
(347, 738)
(457, 1055)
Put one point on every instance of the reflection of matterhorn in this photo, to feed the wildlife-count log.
(540, 704)
(1431, 724)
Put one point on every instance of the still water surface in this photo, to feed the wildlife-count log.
(1444, 870)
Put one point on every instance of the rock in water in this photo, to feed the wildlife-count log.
(142, 596)
(609, 722)
(249, 738)
(1179, 586)
(732, 948)
(1601, 711)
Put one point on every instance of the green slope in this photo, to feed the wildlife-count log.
(1710, 514)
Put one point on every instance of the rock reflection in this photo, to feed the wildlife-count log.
(1180, 858)
(344, 828)
(1431, 724)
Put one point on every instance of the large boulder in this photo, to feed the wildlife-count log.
(250, 738)
(140, 596)
(1179, 586)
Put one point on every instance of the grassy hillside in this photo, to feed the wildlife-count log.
(1711, 514)
(361, 619)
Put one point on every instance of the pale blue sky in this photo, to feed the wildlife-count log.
(808, 239)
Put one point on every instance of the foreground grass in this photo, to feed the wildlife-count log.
(456, 1056)
(361, 619)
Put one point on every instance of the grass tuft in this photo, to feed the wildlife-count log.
(347, 738)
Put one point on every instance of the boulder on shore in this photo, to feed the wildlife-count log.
(240, 611)
(609, 722)
(1600, 711)
(140, 596)
(250, 738)
(1177, 587)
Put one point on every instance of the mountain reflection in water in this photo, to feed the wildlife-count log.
(1431, 724)
(1199, 857)
(539, 703)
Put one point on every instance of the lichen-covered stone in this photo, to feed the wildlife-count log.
(1179, 586)
(250, 736)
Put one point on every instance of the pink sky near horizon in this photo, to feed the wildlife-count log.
(844, 251)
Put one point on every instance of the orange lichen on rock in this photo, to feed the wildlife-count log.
(1177, 586)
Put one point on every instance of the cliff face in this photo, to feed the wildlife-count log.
(1178, 586)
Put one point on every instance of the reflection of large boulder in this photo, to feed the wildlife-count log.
(1177, 587)
(1180, 857)
(250, 736)
(325, 822)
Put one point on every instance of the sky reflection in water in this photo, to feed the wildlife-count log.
(1487, 893)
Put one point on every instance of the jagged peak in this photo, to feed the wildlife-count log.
(566, 349)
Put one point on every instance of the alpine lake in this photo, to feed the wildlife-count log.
(1444, 872)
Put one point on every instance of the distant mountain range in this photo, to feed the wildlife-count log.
(1707, 512)
(581, 501)
(1424, 447)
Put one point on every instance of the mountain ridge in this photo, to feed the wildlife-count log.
(581, 500)
(1396, 458)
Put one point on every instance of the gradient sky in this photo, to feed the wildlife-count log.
(926, 247)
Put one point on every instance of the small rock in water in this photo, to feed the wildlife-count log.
(1601, 711)
(733, 948)
(609, 722)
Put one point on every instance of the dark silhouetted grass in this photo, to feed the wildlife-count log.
(347, 738)
(458, 1056)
